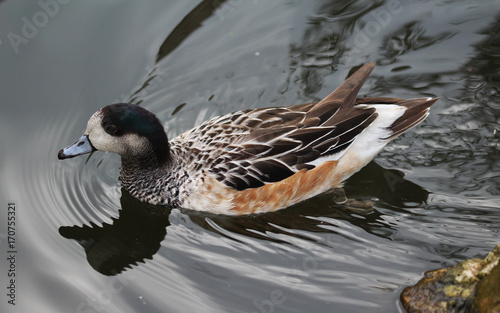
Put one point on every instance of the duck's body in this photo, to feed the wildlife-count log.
(251, 161)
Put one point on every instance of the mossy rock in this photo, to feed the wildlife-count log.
(487, 298)
(470, 286)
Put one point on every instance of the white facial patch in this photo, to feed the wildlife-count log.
(128, 143)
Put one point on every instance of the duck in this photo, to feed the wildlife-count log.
(254, 160)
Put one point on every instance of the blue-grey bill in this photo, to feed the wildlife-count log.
(82, 146)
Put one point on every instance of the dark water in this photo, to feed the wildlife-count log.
(84, 245)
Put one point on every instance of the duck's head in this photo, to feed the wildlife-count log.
(126, 129)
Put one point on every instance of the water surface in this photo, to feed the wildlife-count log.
(85, 245)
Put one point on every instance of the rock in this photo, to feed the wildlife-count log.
(470, 286)
(487, 297)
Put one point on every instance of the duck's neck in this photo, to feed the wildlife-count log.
(154, 155)
(142, 175)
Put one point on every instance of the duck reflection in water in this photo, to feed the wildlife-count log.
(136, 235)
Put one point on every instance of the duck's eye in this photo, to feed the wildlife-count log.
(110, 129)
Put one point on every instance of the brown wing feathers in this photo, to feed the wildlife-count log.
(296, 135)
(417, 110)
(344, 97)
(282, 141)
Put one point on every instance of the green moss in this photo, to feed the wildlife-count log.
(470, 285)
